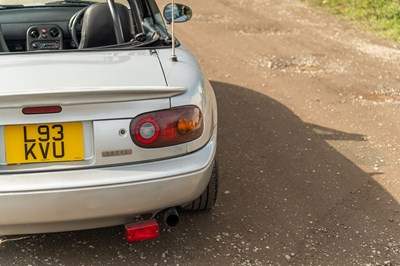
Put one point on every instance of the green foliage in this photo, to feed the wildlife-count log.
(382, 16)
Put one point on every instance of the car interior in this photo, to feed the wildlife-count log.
(54, 26)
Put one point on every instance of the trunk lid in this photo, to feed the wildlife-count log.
(73, 78)
(99, 91)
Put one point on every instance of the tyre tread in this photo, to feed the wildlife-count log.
(209, 196)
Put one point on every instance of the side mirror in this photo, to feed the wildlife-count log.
(182, 13)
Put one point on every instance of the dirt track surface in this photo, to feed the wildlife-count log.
(308, 149)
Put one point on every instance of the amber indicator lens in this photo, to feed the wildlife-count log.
(189, 122)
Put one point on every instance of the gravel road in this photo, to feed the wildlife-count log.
(308, 149)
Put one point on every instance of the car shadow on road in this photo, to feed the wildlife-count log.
(286, 197)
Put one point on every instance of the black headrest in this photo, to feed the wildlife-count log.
(98, 27)
(3, 45)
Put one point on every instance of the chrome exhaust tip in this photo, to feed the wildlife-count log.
(171, 217)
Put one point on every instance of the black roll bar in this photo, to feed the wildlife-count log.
(116, 21)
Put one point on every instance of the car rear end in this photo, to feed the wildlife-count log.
(100, 140)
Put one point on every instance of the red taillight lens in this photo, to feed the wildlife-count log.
(167, 127)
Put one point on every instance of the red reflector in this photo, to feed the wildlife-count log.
(141, 231)
(41, 110)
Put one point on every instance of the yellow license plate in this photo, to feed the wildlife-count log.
(40, 143)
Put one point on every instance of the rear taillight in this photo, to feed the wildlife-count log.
(167, 127)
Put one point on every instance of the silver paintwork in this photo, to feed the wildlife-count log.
(102, 191)
(121, 193)
(81, 95)
(91, 69)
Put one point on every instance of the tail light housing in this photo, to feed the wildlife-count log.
(167, 127)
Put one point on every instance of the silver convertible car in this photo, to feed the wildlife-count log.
(105, 118)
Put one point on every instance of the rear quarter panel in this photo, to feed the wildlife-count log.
(187, 73)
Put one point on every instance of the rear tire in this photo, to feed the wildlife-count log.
(209, 196)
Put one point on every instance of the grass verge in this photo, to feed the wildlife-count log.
(382, 16)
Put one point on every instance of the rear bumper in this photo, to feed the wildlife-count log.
(137, 189)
